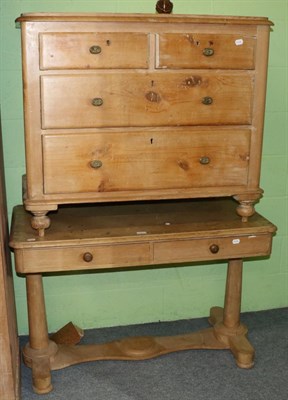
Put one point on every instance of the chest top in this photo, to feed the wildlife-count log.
(140, 107)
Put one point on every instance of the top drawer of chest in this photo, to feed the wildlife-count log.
(180, 50)
(205, 50)
(84, 50)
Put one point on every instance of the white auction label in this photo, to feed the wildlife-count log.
(239, 42)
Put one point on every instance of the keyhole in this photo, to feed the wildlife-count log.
(151, 140)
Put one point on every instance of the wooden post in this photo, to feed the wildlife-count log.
(9, 345)
(232, 304)
(39, 349)
(38, 331)
(234, 331)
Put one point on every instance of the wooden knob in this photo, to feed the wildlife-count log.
(87, 257)
(214, 248)
(164, 6)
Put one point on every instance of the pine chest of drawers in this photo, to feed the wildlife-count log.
(124, 107)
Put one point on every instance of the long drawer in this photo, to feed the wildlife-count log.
(146, 99)
(156, 159)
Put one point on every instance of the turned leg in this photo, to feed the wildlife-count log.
(230, 331)
(38, 351)
(40, 221)
(239, 344)
(232, 303)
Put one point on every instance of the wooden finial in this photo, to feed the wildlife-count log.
(164, 6)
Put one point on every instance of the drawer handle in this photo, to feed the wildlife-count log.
(207, 100)
(97, 102)
(204, 160)
(214, 248)
(208, 52)
(96, 164)
(153, 97)
(95, 49)
(87, 257)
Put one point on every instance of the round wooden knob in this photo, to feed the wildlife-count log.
(214, 248)
(87, 257)
(164, 6)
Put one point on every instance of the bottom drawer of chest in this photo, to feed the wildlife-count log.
(71, 258)
(150, 160)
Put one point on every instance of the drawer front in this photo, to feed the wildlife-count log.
(197, 50)
(93, 50)
(143, 99)
(85, 257)
(143, 253)
(212, 248)
(154, 160)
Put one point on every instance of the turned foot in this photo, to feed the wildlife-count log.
(245, 210)
(234, 338)
(40, 221)
(246, 204)
(243, 351)
(39, 360)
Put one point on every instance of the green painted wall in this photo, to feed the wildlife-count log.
(127, 297)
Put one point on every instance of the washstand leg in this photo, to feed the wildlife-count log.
(231, 331)
(38, 351)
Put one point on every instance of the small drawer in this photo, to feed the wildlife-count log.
(71, 258)
(158, 160)
(146, 99)
(212, 248)
(93, 50)
(199, 50)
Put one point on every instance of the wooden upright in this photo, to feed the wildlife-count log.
(9, 348)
